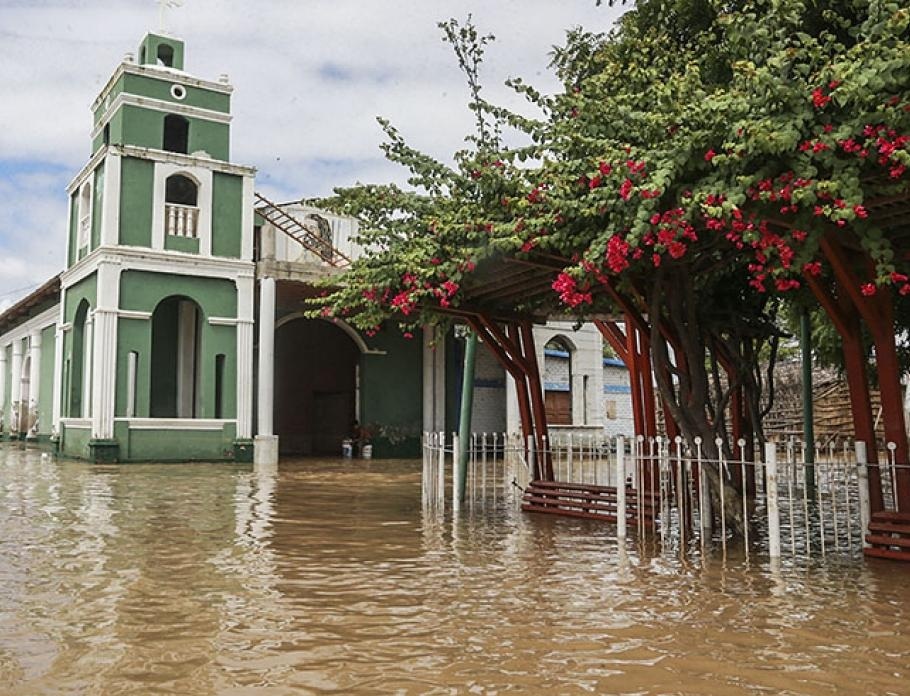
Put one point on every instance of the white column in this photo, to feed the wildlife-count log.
(15, 386)
(88, 350)
(57, 400)
(434, 380)
(265, 450)
(2, 386)
(245, 285)
(34, 377)
(104, 358)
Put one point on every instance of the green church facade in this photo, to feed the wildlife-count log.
(158, 340)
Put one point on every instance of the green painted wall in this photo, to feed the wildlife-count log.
(187, 245)
(74, 441)
(391, 394)
(145, 128)
(85, 289)
(46, 391)
(137, 180)
(227, 214)
(97, 203)
(157, 88)
(182, 446)
(142, 291)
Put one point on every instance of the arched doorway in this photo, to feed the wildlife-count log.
(558, 381)
(316, 366)
(77, 369)
(175, 368)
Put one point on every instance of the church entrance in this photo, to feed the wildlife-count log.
(315, 386)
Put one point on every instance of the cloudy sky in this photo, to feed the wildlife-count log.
(310, 76)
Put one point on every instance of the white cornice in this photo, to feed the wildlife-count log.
(145, 259)
(85, 171)
(176, 423)
(167, 156)
(160, 73)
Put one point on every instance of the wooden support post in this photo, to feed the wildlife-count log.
(877, 312)
(842, 314)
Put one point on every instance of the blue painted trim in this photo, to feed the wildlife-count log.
(553, 353)
(614, 362)
(617, 389)
(557, 386)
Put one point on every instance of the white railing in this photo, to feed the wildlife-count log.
(792, 507)
(181, 220)
(497, 470)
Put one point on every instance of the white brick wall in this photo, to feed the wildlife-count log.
(617, 401)
(489, 407)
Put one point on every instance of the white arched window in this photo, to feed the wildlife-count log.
(85, 215)
(558, 381)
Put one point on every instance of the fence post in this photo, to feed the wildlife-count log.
(772, 501)
(531, 457)
(441, 471)
(862, 482)
(459, 473)
(620, 489)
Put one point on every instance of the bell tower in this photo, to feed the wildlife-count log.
(157, 298)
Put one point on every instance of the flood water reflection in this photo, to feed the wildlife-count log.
(326, 577)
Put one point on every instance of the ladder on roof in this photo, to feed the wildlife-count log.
(314, 233)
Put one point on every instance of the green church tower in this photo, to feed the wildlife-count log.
(156, 312)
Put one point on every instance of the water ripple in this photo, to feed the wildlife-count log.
(328, 577)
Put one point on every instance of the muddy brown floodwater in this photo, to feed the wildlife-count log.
(327, 577)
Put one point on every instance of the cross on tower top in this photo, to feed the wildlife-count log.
(163, 6)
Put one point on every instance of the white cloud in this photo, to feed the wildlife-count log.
(309, 80)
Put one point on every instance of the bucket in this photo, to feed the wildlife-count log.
(347, 449)
(367, 452)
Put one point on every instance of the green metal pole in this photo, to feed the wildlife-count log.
(464, 419)
(808, 426)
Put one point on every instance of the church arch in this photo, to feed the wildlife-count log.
(316, 385)
(78, 367)
(558, 354)
(175, 358)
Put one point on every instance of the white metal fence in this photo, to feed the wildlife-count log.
(791, 508)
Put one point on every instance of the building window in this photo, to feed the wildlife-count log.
(176, 345)
(558, 381)
(176, 134)
(106, 134)
(181, 214)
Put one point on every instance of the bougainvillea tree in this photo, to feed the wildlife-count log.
(691, 178)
